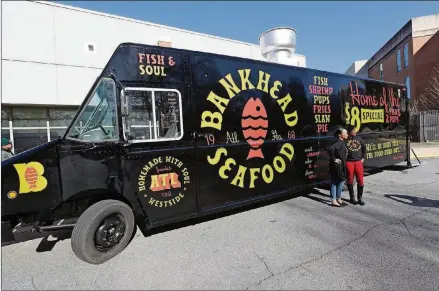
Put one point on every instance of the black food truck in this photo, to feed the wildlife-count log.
(165, 135)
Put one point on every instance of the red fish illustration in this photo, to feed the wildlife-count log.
(31, 177)
(254, 126)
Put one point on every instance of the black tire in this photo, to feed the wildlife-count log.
(83, 235)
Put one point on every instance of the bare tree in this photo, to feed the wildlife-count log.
(429, 98)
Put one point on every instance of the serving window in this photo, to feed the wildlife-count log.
(153, 114)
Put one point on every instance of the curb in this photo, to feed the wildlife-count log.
(424, 156)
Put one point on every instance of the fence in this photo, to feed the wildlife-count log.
(424, 126)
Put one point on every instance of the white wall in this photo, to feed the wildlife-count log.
(358, 68)
(425, 25)
(45, 56)
(363, 70)
(298, 60)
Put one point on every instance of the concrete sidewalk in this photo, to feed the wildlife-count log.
(425, 149)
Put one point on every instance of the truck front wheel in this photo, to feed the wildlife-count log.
(103, 231)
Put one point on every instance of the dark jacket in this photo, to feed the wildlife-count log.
(338, 151)
(356, 148)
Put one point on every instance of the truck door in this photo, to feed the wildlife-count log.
(88, 155)
(158, 161)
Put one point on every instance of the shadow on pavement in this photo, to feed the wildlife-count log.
(394, 168)
(414, 201)
(47, 245)
(317, 192)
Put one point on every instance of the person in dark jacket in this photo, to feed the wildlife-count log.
(354, 165)
(337, 166)
(6, 149)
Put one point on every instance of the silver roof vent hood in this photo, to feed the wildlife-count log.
(278, 46)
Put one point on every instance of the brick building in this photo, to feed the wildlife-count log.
(408, 57)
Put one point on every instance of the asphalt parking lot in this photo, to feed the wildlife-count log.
(390, 243)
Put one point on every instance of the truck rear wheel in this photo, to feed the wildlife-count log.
(103, 231)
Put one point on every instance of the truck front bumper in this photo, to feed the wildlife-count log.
(20, 233)
(7, 234)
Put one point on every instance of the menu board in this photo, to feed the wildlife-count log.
(321, 107)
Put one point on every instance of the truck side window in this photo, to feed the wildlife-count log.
(154, 114)
(98, 119)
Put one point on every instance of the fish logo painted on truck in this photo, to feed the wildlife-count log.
(162, 181)
(254, 125)
(31, 177)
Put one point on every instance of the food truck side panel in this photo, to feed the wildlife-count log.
(243, 149)
(263, 128)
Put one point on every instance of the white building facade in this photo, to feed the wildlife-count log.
(358, 68)
(52, 54)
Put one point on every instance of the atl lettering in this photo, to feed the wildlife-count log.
(165, 181)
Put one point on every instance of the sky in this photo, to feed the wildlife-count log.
(332, 35)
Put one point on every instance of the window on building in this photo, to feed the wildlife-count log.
(27, 138)
(407, 84)
(398, 60)
(90, 47)
(154, 114)
(60, 118)
(406, 55)
(6, 117)
(28, 127)
(381, 71)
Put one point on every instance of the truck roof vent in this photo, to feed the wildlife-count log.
(278, 45)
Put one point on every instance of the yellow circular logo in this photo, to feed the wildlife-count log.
(163, 181)
(12, 194)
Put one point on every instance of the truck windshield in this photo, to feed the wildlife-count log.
(98, 119)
